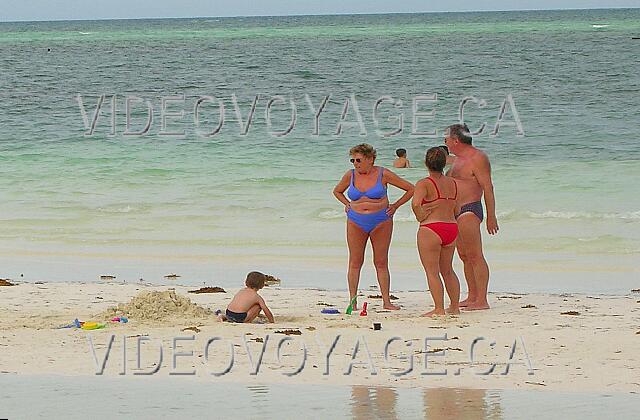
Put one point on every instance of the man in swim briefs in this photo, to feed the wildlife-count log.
(472, 171)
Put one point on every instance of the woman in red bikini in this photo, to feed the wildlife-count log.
(434, 204)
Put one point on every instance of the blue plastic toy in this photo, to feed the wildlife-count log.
(330, 311)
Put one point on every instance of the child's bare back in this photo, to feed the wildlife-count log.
(243, 300)
(401, 161)
(247, 304)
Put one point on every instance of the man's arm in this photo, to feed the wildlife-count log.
(482, 172)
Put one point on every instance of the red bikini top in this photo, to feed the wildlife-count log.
(438, 191)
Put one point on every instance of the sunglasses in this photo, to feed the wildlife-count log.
(355, 160)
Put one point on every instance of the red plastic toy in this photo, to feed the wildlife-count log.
(364, 309)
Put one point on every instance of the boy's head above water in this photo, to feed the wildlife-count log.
(255, 280)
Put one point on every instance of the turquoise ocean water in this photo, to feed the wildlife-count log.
(74, 206)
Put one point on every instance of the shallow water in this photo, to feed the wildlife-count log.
(97, 397)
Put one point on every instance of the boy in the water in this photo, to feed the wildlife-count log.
(401, 161)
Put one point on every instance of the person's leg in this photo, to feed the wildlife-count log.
(356, 241)
(451, 282)
(429, 250)
(380, 241)
(469, 228)
(469, 276)
(252, 313)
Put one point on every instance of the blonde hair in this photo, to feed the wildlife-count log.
(365, 150)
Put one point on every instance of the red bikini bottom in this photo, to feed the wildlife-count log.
(448, 232)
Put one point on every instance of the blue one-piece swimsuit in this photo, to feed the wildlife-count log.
(367, 221)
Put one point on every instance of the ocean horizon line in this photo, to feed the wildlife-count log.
(231, 17)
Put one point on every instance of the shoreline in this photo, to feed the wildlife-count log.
(531, 276)
(573, 342)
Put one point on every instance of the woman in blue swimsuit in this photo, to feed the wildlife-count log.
(369, 215)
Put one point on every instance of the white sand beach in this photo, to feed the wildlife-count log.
(573, 342)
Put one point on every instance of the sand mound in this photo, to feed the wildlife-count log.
(159, 306)
(6, 282)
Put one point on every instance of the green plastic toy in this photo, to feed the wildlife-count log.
(351, 305)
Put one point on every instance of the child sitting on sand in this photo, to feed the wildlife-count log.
(247, 303)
